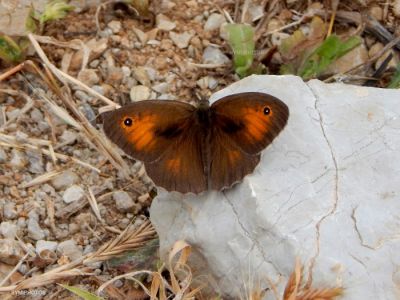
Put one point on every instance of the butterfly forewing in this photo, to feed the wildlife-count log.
(145, 129)
(250, 120)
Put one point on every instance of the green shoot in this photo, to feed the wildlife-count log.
(395, 82)
(329, 51)
(56, 9)
(10, 52)
(241, 40)
(81, 293)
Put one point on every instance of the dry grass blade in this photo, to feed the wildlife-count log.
(64, 77)
(133, 239)
(36, 144)
(296, 290)
(41, 179)
(128, 240)
(92, 135)
(23, 110)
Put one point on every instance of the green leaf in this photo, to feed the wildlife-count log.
(9, 50)
(56, 9)
(241, 40)
(30, 23)
(329, 51)
(395, 82)
(81, 293)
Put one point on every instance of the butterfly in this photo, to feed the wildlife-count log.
(188, 148)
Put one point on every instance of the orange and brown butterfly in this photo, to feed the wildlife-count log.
(188, 148)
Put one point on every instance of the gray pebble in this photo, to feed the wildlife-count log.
(45, 245)
(64, 180)
(18, 159)
(34, 231)
(70, 249)
(73, 193)
(9, 211)
(213, 55)
(35, 159)
(123, 201)
(8, 230)
(214, 21)
(3, 156)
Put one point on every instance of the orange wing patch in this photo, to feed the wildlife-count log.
(141, 134)
(233, 156)
(174, 165)
(256, 125)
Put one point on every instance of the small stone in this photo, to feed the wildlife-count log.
(202, 82)
(181, 40)
(396, 8)
(115, 76)
(18, 159)
(88, 111)
(88, 77)
(255, 12)
(126, 71)
(35, 232)
(141, 75)
(45, 245)
(8, 230)
(213, 55)
(376, 12)
(3, 156)
(165, 97)
(99, 89)
(73, 193)
(70, 249)
(161, 87)
(143, 37)
(139, 93)
(163, 23)
(214, 22)
(36, 115)
(212, 83)
(68, 137)
(10, 251)
(115, 26)
(81, 95)
(9, 211)
(64, 180)
(13, 113)
(96, 47)
(36, 163)
(123, 201)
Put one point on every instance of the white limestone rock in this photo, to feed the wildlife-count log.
(327, 191)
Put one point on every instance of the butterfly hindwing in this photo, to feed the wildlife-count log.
(181, 167)
(228, 163)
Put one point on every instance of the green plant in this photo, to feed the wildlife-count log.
(241, 39)
(81, 293)
(329, 51)
(56, 9)
(395, 81)
(10, 51)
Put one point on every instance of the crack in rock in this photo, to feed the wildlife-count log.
(247, 233)
(336, 187)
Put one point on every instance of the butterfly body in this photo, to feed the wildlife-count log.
(192, 149)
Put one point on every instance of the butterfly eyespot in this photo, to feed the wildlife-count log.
(128, 122)
(267, 110)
